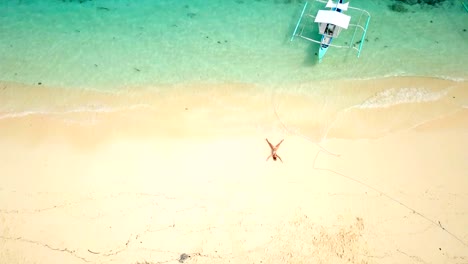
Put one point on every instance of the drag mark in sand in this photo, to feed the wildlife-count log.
(414, 211)
(65, 250)
(414, 258)
(90, 254)
(87, 199)
(322, 149)
(182, 258)
(275, 109)
(132, 239)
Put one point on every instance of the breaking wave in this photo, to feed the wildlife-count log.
(396, 96)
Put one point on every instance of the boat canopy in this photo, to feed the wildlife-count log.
(333, 17)
(343, 7)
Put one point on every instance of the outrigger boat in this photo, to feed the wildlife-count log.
(330, 24)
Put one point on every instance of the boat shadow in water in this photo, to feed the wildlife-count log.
(312, 59)
(312, 55)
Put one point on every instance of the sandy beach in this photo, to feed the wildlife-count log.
(181, 176)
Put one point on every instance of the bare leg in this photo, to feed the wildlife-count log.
(277, 146)
(271, 146)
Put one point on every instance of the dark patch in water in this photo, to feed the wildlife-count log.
(397, 7)
(427, 2)
(39, 83)
(103, 8)
(79, 1)
(400, 5)
(191, 15)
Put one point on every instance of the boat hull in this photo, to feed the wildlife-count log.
(323, 49)
(326, 40)
(324, 44)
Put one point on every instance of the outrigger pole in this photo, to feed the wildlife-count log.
(299, 21)
(464, 5)
(363, 35)
(364, 29)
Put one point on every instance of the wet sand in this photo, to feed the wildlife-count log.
(170, 177)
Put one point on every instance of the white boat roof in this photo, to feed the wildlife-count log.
(343, 7)
(333, 17)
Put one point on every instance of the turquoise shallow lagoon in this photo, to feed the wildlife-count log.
(122, 43)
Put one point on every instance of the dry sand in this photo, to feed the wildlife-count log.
(181, 176)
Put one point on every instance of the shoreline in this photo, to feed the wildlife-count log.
(320, 110)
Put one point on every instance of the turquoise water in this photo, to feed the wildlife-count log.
(124, 43)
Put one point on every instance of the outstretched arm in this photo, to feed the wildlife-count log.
(279, 158)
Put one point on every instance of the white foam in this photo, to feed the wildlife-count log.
(449, 78)
(395, 96)
(84, 109)
(392, 75)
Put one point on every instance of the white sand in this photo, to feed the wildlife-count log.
(153, 183)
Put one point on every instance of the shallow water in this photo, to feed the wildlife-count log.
(115, 44)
